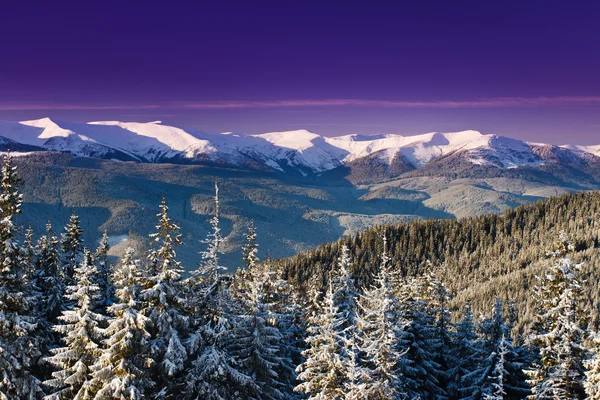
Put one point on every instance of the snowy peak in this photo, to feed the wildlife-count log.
(299, 151)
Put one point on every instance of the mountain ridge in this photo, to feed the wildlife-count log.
(301, 152)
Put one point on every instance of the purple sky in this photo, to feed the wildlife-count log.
(526, 69)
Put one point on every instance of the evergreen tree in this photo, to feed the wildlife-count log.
(592, 374)
(71, 246)
(19, 342)
(49, 278)
(162, 302)
(419, 368)
(437, 299)
(210, 265)
(355, 387)
(107, 290)
(321, 374)
(558, 334)
(81, 333)
(258, 342)
(379, 325)
(499, 373)
(345, 298)
(121, 371)
(465, 356)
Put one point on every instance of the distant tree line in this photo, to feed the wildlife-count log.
(75, 326)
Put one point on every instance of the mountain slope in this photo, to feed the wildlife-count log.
(482, 257)
(298, 152)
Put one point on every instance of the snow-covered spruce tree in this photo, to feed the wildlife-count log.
(121, 371)
(419, 368)
(210, 266)
(71, 246)
(558, 334)
(437, 299)
(162, 302)
(592, 375)
(379, 327)
(258, 342)
(81, 335)
(345, 298)
(464, 357)
(49, 278)
(321, 374)
(498, 375)
(18, 337)
(355, 386)
(29, 251)
(214, 374)
(495, 332)
(107, 290)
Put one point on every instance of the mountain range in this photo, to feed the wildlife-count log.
(293, 152)
(301, 189)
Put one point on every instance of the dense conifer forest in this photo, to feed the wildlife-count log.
(493, 307)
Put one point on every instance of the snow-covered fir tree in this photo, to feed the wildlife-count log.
(380, 326)
(437, 299)
(558, 333)
(419, 367)
(122, 370)
(321, 374)
(49, 278)
(210, 266)
(214, 374)
(465, 355)
(19, 342)
(355, 386)
(496, 332)
(498, 375)
(81, 335)
(346, 297)
(592, 374)
(162, 301)
(258, 342)
(107, 291)
(71, 246)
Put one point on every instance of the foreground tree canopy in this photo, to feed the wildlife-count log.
(375, 316)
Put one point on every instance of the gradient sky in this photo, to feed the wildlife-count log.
(525, 69)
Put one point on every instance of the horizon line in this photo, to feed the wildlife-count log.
(497, 102)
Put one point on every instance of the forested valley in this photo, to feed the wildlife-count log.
(492, 307)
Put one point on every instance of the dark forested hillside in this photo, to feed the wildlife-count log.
(484, 257)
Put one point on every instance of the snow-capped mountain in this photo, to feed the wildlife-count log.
(292, 151)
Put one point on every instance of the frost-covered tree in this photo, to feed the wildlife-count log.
(71, 246)
(465, 356)
(321, 374)
(592, 374)
(258, 342)
(345, 297)
(49, 278)
(81, 334)
(355, 386)
(210, 266)
(380, 326)
(498, 375)
(419, 368)
(19, 344)
(107, 290)
(121, 371)
(162, 302)
(214, 373)
(496, 333)
(437, 300)
(558, 333)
